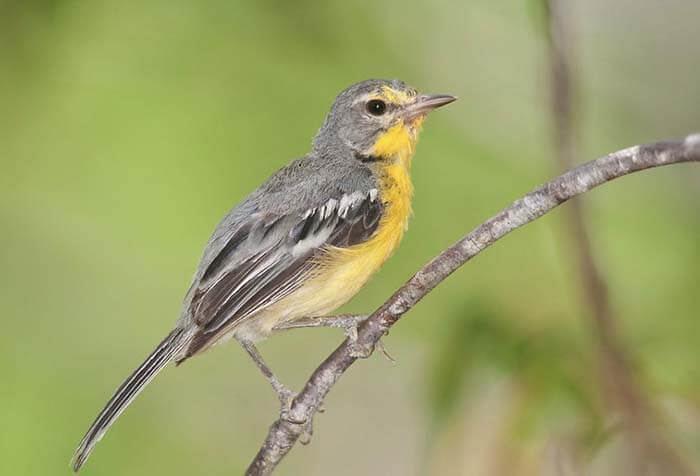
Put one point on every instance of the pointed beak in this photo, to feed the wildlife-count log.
(426, 103)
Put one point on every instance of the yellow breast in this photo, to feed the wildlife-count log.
(345, 270)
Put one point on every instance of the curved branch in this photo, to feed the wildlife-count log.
(284, 433)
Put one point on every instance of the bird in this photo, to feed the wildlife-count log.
(303, 243)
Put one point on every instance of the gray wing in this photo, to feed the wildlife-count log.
(268, 257)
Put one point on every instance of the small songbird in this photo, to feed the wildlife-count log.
(304, 242)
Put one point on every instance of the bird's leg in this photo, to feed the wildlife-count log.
(284, 394)
(347, 322)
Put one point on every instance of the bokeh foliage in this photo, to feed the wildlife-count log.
(129, 128)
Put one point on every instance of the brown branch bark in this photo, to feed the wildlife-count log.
(283, 434)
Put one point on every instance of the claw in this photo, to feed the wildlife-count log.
(351, 333)
(307, 433)
(360, 352)
(286, 417)
(380, 346)
(286, 397)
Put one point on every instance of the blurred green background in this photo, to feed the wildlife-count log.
(127, 130)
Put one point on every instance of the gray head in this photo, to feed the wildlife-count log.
(363, 113)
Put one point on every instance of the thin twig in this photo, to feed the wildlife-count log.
(283, 434)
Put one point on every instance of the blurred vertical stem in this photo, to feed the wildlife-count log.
(619, 382)
(622, 392)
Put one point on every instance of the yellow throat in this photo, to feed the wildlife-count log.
(345, 270)
(395, 148)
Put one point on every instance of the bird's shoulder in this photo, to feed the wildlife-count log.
(311, 181)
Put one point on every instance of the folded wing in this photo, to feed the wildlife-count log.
(270, 256)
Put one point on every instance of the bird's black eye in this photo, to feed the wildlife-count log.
(376, 107)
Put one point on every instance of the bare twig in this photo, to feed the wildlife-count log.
(621, 388)
(283, 434)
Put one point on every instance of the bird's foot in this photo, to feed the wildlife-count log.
(308, 432)
(286, 397)
(363, 351)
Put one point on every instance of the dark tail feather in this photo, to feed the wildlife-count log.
(126, 393)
